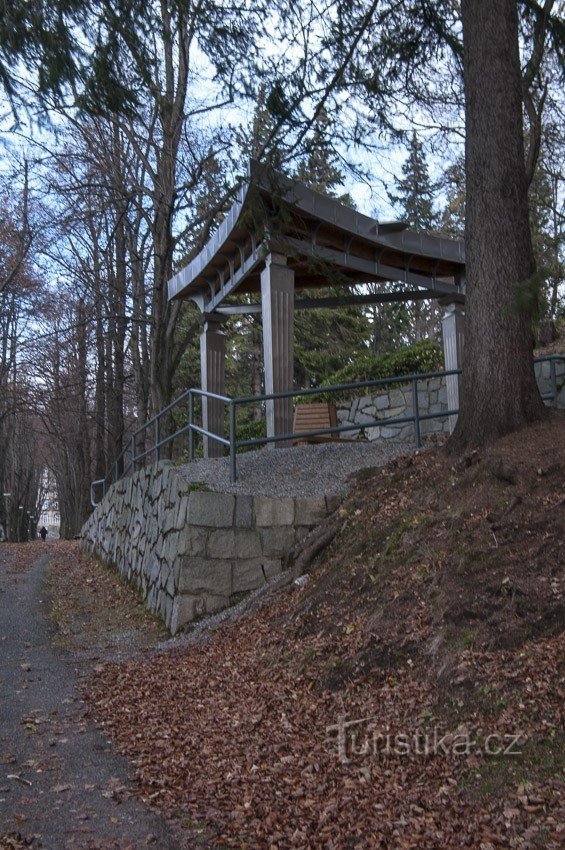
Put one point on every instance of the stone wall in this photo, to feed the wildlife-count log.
(190, 551)
(543, 374)
(396, 402)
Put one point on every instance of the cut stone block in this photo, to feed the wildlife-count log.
(215, 603)
(181, 512)
(215, 510)
(244, 511)
(397, 398)
(248, 543)
(278, 542)
(364, 418)
(395, 412)
(390, 433)
(191, 541)
(183, 611)
(251, 574)
(154, 570)
(221, 543)
(247, 575)
(270, 512)
(350, 435)
(205, 575)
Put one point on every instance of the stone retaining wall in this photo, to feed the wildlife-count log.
(543, 374)
(396, 402)
(189, 551)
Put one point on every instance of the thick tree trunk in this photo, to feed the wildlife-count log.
(499, 390)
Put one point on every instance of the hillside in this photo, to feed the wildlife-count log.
(434, 623)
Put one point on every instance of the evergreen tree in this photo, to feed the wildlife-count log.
(414, 196)
(546, 222)
(452, 217)
(415, 191)
(319, 169)
(499, 393)
(326, 339)
(260, 140)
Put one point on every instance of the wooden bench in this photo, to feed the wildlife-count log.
(314, 417)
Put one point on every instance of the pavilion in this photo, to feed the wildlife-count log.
(280, 237)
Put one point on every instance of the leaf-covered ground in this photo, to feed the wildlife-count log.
(62, 785)
(94, 610)
(437, 612)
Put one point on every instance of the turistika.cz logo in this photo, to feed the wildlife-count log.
(366, 739)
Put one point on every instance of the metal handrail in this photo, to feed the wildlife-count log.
(234, 444)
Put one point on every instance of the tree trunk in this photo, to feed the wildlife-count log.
(499, 389)
(118, 296)
(99, 392)
(171, 116)
(139, 338)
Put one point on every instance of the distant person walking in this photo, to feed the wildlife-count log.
(43, 533)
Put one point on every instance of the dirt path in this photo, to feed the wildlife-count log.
(61, 786)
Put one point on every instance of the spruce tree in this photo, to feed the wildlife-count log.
(414, 198)
(326, 339)
(415, 191)
(452, 216)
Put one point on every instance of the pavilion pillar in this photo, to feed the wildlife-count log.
(277, 305)
(213, 380)
(453, 339)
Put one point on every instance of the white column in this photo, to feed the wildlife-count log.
(213, 380)
(277, 305)
(453, 339)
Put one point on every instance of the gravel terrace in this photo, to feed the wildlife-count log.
(299, 471)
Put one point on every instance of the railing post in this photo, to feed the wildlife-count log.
(190, 424)
(233, 467)
(416, 413)
(157, 438)
(133, 453)
(116, 471)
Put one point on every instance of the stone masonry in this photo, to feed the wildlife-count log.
(190, 551)
(396, 402)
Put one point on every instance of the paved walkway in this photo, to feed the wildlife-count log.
(59, 780)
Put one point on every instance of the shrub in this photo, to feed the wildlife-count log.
(424, 356)
(251, 431)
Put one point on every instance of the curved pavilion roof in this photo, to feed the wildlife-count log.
(325, 242)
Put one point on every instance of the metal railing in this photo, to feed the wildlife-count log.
(192, 428)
